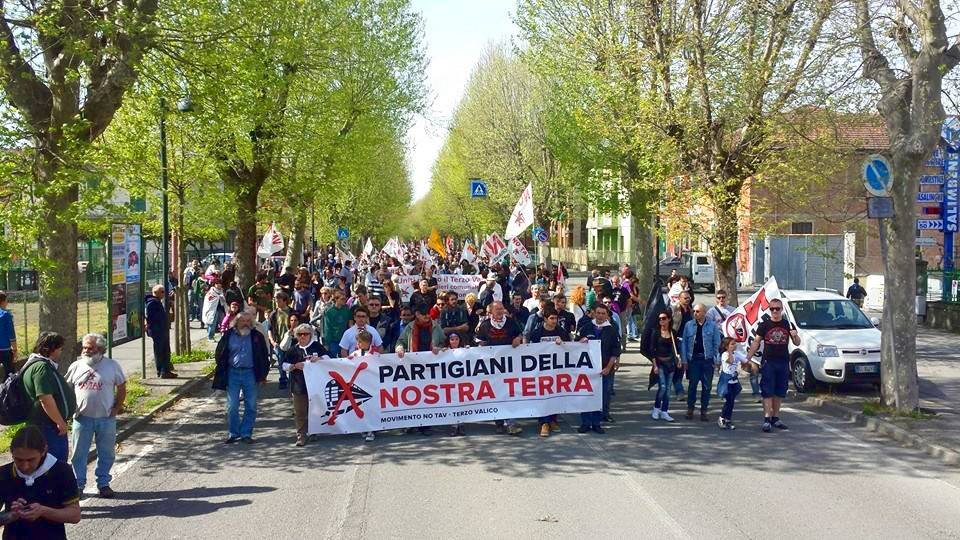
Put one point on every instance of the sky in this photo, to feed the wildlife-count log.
(456, 34)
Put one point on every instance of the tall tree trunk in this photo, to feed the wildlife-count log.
(246, 247)
(295, 245)
(725, 239)
(58, 243)
(644, 238)
(899, 327)
(181, 319)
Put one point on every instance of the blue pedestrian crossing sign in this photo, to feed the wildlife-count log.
(478, 188)
(876, 175)
(342, 233)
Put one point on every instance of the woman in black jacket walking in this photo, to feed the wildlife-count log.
(307, 349)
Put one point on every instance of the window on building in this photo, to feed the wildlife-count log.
(801, 227)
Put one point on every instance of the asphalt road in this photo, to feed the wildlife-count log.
(822, 479)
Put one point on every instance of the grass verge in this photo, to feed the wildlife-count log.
(875, 408)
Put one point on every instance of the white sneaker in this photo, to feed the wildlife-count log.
(665, 416)
(655, 414)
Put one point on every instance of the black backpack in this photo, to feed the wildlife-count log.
(15, 404)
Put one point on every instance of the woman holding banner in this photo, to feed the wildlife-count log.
(307, 349)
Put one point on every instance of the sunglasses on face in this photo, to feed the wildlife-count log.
(303, 334)
(776, 309)
(664, 319)
(721, 298)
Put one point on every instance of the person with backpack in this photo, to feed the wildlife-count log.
(52, 399)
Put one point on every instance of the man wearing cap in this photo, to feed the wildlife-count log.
(491, 291)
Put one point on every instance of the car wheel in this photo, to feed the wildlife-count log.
(803, 379)
(711, 288)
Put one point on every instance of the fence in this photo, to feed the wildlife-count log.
(942, 286)
(20, 284)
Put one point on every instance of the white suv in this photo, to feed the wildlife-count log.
(838, 343)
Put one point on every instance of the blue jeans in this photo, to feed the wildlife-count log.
(283, 374)
(733, 390)
(699, 370)
(241, 380)
(755, 383)
(211, 331)
(663, 390)
(57, 444)
(85, 430)
(632, 326)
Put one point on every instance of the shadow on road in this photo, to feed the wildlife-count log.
(182, 503)
(635, 443)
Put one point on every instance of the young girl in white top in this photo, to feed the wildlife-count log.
(364, 342)
(728, 386)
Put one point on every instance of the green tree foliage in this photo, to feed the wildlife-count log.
(65, 68)
(500, 133)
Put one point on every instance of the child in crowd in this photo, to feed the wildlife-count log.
(364, 342)
(728, 387)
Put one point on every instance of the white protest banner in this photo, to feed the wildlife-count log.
(406, 284)
(378, 392)
(493, 246)
(742, 323)
(271, 243)
(518, 252)
(460, 284)
(522, 216)
(392, 248)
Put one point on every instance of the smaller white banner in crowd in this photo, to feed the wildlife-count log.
(519, 252)
(460, 284)
(494, 247)
(742, 323)
(271, 242)
(378, 392)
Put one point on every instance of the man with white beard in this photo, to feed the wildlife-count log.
(100, 386)
(241, 367)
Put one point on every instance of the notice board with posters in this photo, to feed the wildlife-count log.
(126, 296)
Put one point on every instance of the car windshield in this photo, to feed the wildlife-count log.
(828, 314)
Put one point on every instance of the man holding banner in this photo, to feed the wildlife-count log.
(601, 329)
(775, 364)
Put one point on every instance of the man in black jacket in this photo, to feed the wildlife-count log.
(601, 329)
(242, 366)
(159, 330)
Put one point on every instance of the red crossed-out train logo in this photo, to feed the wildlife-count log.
(342, 396)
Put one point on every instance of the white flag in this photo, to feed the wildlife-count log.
(271, 243)
(425, 253)
(469, 252)
(522, 216)
(368, 248)
(493, 246)
(519, 253)
(742, 323)
(393, 249)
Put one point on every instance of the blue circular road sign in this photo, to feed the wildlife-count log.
(876, 175)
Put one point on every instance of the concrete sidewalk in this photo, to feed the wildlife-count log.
(129, 354)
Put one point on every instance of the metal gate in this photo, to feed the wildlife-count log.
(806, 261)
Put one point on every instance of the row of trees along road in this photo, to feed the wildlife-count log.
(293, 108)
(630, 105)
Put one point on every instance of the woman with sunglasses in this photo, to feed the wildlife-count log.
(307, 349)
(665, 362)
